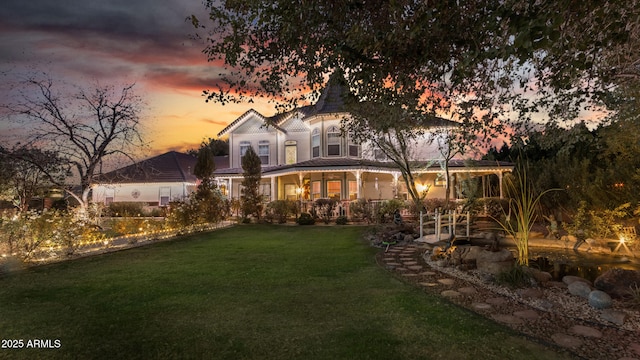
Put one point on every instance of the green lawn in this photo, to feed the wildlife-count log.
(248, 292)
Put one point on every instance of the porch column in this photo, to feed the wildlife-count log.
(230, 188)
(500, 182)
(274, 189)
(396, 175)
(484, 186)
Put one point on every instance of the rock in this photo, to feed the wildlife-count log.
(540, 277)
(612, 316)
(530, 293)
(600, 299)
(618, 282)
(580, 288)
(565, 340)
(408, 238)
(585, 331)
(494, 262)
(569, 279)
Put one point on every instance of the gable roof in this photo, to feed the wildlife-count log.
(168, 167)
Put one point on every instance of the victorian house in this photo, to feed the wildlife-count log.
(305, 156)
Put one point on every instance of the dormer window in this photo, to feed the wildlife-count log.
(315, 143)
(334, 141)
(354, 149)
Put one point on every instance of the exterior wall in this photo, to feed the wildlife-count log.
(141, 192)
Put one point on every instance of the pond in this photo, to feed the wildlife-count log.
(561, 262)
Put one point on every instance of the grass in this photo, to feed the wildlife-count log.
(249, 292)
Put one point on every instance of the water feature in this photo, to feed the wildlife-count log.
(561, 262)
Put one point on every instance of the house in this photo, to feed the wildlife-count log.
(155, 181)
(305, 157)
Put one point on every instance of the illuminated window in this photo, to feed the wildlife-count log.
(315, 190)
(290, 152)
(353, 190)
(334, 189)
(290, 192)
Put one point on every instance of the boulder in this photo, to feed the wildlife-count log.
(568, 279)
(541, 277)
(494, 262)
(618, 282)
(600, 299)
(580, 288)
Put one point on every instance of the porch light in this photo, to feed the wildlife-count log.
(420, 187)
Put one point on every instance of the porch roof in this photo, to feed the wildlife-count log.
(350, 164)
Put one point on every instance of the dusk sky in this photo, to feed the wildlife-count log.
(119, 42)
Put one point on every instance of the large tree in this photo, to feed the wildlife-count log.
(251, 198)
(85, 127)
(21, 180)
(470, 61)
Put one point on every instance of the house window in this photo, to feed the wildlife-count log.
(265, 191)
(353, 190)
(263, 152)
(290, 152)
(334, 188)
(165, 195)
(315, 190)
(379, 155)
(290, 192)
(244, 147)
(354, 149)
(315, 143)
(333, 141)
(108, 200)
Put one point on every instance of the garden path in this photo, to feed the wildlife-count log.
(584, 339)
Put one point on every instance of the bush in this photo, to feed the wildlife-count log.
(305, 219)
(386, 210)
(32, 233)
(360, 209)
(517, 277)
(280, 210)
(324, 208)
(126, 209)
(341, 220)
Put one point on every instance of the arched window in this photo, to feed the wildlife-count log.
(315, 143)
(334, 141)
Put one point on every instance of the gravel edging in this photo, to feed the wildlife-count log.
(555, 317)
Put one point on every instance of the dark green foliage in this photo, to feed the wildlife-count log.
(305, 219)
(361, 210)
(517, 277)
(251, 198)
(386, 209)
(125, 209)
(323, 208)
(342, 220)
(280, 210)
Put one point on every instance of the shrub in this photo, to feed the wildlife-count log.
(360, 209)
(387, 208)
(324, 208)
(517, 277)
(31, 233)
(341, 220)
(280, 210)
(305, 219)
(126, 209)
